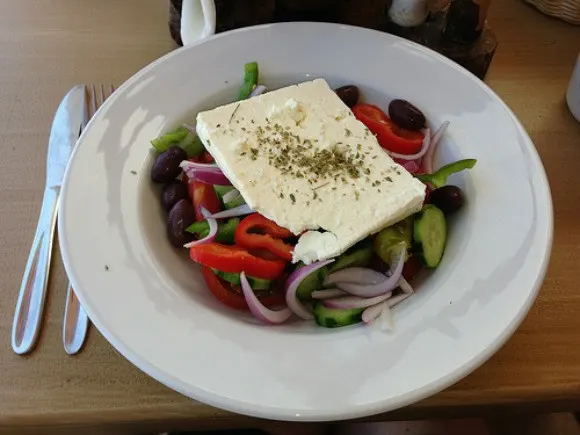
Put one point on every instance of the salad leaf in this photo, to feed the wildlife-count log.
(439, 178)
(251, 76)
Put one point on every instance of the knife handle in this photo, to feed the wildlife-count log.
(28, 314)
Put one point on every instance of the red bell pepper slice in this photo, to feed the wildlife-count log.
(235, 259)
(232, 297)
(390, 136)
(258, 232)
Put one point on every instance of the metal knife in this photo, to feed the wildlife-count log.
(29, 308)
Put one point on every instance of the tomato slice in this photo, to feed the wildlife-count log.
(258, 232)
(236, 259)
(412, 268)
(390, 136)
(232, 297)
(204, 157)
(203, 195)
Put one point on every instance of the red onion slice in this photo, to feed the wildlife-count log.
(328, 293)
(233, 212)
(262, 313)
(397, 299)
(292, 284)
(372, 313)
(351, 302)
(405, 286)
(188, 164)
(412, 167)
(209, 177)
(355, 275)
(210, 174)
(429, 157)
(258, 90)
(213, 230)
(424, 148)
(388, 285)
(379, 316)
(385, 321)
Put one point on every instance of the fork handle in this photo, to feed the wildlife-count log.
(28, 314)
(76, 323)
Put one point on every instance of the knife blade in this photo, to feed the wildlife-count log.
(29, 306)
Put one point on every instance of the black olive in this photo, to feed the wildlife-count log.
(348, 94)
(166, 166)
(448, 199)
(181, 216)
(405, 115)
(172, 193)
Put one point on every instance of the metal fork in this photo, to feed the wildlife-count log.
(76, 321)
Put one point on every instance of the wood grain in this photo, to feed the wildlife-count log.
(46, 46)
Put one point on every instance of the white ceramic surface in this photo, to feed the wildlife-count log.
(149, 301)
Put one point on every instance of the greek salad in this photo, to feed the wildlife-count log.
(307, 201)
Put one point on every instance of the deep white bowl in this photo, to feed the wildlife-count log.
(150, 302)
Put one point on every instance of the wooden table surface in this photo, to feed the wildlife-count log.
(46, 46)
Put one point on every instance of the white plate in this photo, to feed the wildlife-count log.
(152, 305)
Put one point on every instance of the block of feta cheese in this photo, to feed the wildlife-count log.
(299, 157)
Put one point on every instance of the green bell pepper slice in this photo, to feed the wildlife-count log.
(251, 76)
(225, 234)
(179, 137)
(439, 178)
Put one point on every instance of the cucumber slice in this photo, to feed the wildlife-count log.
(234, 278)
(359, 255)
(430, 235)
(333, 318)
(311, 283)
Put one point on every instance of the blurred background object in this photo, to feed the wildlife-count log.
(455, 28)
(567, 10)
(573, 93)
